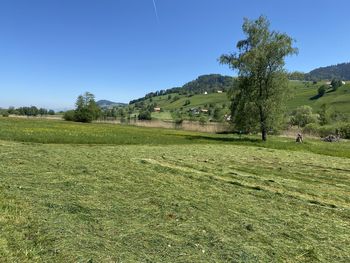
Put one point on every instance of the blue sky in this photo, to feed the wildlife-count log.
(53, 50)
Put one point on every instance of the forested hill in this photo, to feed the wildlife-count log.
(206, 83)
(340, 71)
(107, 103)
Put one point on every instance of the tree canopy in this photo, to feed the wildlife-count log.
(86, 109)
(257, 98)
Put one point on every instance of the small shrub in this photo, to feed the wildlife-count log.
(69, 115)
(145, 115)
(187, 102)
(344, 131)
(202, 120)
(302, 116)
(322, 90)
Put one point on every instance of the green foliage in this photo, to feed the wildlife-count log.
(324, 116)
(209, 83)
(69, 115)
(341, 129)
(336, 83)
(202, 120)
(218, 114)
(322, 90)
(4, 113)
(145, 115)
(187, 102)
(87, 109)
(344, 130)
(296, 75)
(262, 82)
(175, 98)
(302, 116)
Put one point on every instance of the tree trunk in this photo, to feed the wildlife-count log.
(263, 133)
(262, 124)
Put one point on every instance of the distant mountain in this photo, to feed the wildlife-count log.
(107, 104)
(340, 71)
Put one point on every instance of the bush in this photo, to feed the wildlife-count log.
(322, 90)
(69, 115)
(302, 116)
(202, 120)
(187, 102)
(336, 83)
(342, 129)
(86, 109)
(145, 115)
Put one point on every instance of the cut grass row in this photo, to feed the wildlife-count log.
(171, 203)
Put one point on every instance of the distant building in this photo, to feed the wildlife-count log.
(156, 109)
(204, 110)
(343, 82)
(205, 93)
(219, 91)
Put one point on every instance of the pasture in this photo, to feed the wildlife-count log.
(301, 93)
(109, 193)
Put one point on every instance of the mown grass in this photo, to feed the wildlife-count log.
(171, 203)
(109, 193)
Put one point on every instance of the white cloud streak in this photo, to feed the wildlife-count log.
(155, 9)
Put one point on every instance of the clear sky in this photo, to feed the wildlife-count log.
(53, 50)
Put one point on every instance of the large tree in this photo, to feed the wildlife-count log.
(87, 109)
(262, 83)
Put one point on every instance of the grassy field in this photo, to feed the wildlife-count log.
(108, 193)
(301, 94)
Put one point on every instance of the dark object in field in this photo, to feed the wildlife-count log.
(331, 138)
(299, 138)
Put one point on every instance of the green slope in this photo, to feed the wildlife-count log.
(301, 94)
(337, 101)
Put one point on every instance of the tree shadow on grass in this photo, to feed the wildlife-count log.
(222, 139)
(316, 97)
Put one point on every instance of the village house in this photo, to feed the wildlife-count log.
(157, 109)
(204, 110)
(219, 91)
(205, 93)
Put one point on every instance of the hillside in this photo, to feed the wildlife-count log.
(339, 71)
(107, 104)
(301, 94)
(205, 83)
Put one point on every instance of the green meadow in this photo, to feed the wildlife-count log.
(301, 93)
(74, 192)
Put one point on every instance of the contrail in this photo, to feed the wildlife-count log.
(155, 9)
